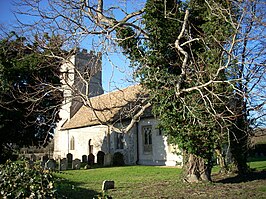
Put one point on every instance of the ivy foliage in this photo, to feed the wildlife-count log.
(189, 119)
(18, 181)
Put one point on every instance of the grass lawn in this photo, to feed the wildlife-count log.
(159, 182)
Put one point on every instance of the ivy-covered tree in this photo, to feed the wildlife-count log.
(184, 49)
(29, 93)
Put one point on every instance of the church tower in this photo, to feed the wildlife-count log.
(81, 78)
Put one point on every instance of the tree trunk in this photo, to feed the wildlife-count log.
(197, 169)
(239, 149)
(221, 161)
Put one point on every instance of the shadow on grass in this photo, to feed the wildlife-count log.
(255, 175)
(69, 189)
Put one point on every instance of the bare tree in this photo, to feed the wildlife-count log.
(99, 25)
(88, 22)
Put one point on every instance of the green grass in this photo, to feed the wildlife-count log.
(155, 182)
(124, 177)
(258, 165)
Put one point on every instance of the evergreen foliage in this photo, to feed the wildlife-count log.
(192, 119)
(18, 181)
(29, 94)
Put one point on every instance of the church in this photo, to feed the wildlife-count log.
(91, 119)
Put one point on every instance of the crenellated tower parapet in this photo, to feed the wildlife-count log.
(81, 78)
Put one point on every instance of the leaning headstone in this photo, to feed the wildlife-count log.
(108, 184)
(50, 165)
(84, 159)
(91, 159)
(100, 158)
(76, 164)
(63, 164)
(107, 159)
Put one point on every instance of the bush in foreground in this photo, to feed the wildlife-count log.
(19, 181)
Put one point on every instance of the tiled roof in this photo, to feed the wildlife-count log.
(108, 108)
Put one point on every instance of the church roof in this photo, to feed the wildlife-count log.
(108, 108)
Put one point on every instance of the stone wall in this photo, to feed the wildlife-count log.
(94, 137)
(36, 153)
(133, 144)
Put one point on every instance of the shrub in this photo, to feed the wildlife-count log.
(18, 181)
(118, 159)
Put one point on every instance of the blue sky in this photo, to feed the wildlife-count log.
(115, 75)
(5, 12)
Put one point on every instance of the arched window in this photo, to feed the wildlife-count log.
(72, 143)
(147, 139)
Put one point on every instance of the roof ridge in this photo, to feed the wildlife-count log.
(114, 91)
(105, 107)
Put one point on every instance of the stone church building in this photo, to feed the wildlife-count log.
(83, 130)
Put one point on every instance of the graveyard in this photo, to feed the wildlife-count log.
(89, 176)
(160, 182)
(75, 178)
(84, 179)
(47, 162)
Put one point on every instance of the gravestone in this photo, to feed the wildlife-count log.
(108, 184)
(44, 158)
(63, 164)
(76, 164)
(84, 159)
(69, 157)
(69, 160)
(50, 165)
(91, 159)
(100, 158)
(108, 159)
